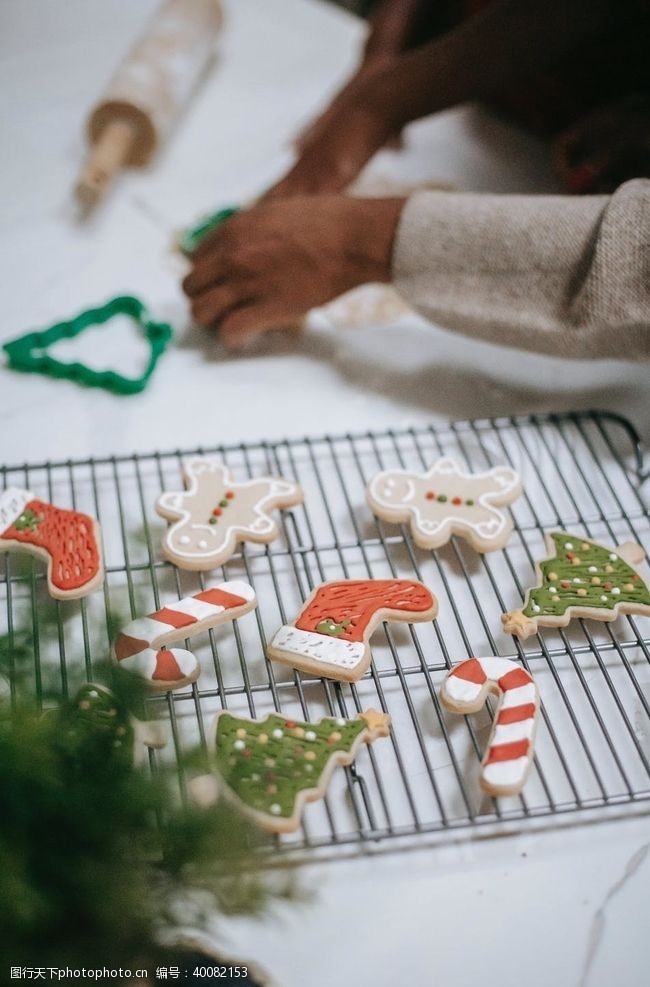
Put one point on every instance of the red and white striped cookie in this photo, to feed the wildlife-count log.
(140, 647)
(509, 753)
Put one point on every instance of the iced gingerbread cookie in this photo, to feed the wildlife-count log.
(95, 715)
(581, 579)
(510, 749)
(271, 768)
(446, 501)
(67, 540)
(330, 635)
(215, 512)
(141, 646)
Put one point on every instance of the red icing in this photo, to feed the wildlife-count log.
(357, 601)
(69, 539)
(220, 598)
(470, 671)
(167, 669)
(173, 617)
(515, 714)
(514, 679)
(126, 646)
(508, 752)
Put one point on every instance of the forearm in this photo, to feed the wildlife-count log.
(556, 274)
(497, 47)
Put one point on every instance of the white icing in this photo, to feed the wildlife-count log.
(460, 690)
(259, 524)
(495, 668)
(318, 647)
(145, 629)
(194, 608)
(520, 696)
(12, 504)
(237, 587)
(506, 733)
(505, 480)
(506, 773)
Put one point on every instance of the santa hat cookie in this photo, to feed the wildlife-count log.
(580, 578)
(141, 646)
(67, 540)
(216, 512)
(509, 754)
(446, 501)
(330, 635)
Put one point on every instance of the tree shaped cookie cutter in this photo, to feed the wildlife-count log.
(27, 353)
(190, 238)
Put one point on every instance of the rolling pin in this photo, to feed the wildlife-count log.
(148, 91)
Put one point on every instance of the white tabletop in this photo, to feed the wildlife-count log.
(562, 906)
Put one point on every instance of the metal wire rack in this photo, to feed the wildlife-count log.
(581, 472)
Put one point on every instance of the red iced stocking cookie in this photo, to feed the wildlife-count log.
(68, 540)
(330, 635)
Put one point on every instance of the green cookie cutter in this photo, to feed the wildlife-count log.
(27, 352)
(189, 240)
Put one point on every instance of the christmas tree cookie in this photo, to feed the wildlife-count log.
(271, 768)
(331, 634)
(581, 579)
(95, 720)
(447, 501)
(216, 512)
(68, 541)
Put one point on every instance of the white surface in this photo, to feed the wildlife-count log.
(562, 907)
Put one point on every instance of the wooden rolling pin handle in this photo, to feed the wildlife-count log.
(106, 157)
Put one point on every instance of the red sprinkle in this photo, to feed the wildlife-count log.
(570, 555)
(229, 494)
(457, 500)
(217, 511)
(246, 753)
(607, 586)
(430, 495)
(565, 584)
(289, 724)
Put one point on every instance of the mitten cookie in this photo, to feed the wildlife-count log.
(139, 647)
(446, 501)
(215, 513)
(271, 768)
(330, 635)
(509, 753)
(581, 579)
(68, 540)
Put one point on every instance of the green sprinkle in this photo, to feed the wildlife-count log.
(470, 503)
(442, 498)
(212, 520)
(223, 503)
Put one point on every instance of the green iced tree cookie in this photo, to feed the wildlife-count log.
(274, 766)
(581, 578)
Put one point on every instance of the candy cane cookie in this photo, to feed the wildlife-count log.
(141, 646)
(509, 753)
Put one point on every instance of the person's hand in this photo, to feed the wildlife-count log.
(265, 268)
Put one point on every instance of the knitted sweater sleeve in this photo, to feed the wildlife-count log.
(564, 275)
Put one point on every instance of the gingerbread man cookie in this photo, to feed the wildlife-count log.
(215, 513)
(271, 768)
(446, 501)
(331, 634)
(68, 541)
(580, 578)
(509, 754)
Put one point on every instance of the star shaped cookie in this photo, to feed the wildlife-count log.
(447, 501)
(215, 513)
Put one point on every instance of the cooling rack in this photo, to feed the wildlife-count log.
(581, 472)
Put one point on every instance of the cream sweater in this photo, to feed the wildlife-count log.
(565, 275)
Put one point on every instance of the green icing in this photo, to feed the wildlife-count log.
(331, 627)
(595, 563)
(28, 521)
(272, 788)
(95, 717)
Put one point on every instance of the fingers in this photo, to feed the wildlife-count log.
(210, 307)
(244, 323)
